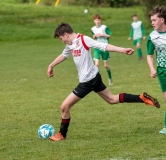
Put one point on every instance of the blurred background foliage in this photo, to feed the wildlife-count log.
(147, 4)
(22, 19)
(105, 3)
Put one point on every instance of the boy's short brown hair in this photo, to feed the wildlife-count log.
(134, 15)
(63, 28)
(96, 16)
(160, 11)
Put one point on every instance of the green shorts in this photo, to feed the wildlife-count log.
(161, 72)
(139, 40)
(98, 53)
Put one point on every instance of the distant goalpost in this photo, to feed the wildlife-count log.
(56, 2)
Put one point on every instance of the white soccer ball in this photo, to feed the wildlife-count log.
(85, 10)
(45, 131)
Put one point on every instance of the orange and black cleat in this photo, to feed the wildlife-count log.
(57, 137)
(149, 100)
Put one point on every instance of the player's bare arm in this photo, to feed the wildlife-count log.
(112, 48)
(97, 35)
(58, 60)
(153, 72)
(102, 35)
(106, 35)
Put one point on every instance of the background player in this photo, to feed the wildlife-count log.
(101, 33)
(137, 32)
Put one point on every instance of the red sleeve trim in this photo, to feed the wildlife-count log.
(83, 42)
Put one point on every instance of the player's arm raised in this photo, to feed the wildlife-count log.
(112, 48)
(58, 60)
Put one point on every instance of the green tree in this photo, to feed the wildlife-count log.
(149, 4)
(111, 3)
(123, 3)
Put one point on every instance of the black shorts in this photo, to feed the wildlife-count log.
(96, 85)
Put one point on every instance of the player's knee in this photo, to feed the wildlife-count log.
(138, 46)
(64, 108)
(107, 67)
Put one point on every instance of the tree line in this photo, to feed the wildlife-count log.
(147, 5)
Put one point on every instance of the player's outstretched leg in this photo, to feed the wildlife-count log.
(149, 100)
(142, 98)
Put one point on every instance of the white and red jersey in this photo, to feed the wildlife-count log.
(80, 49)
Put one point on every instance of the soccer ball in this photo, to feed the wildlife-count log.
(45, 131)
(85, 10)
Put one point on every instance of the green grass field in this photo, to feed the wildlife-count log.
(28, 98)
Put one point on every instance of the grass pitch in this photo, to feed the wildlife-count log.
(98, 131)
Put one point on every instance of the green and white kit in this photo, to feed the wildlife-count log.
(137, 31)
(102, 30)
(157, 42)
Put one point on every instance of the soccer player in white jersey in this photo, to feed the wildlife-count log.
(137, 32)
(157, 42)
(79, 46)
(102, 33)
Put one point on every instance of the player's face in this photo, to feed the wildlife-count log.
(157, 22)
(135, 18)
(97, 21)
(65, 39)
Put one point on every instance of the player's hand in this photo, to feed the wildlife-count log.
(153, 74)
(129, 51)
(144, 38)
(50, 72)
(129, 38)
(98, 35)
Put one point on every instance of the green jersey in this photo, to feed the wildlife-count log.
(103, 30)
(157, 41)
